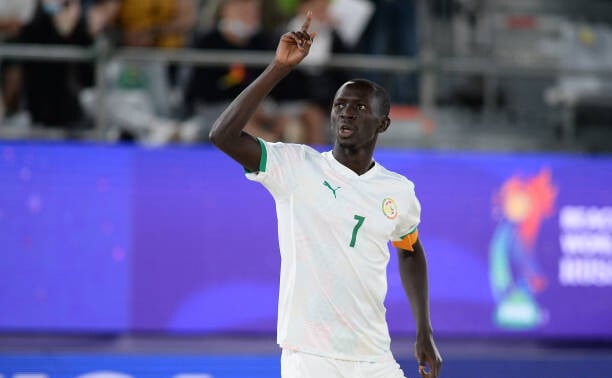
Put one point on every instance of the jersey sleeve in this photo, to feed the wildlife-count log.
(278, 167)
(406, 232)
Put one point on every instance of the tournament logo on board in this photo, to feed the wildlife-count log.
(516, 276)
(389, 208)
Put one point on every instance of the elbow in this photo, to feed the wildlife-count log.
(221, 139)
(221, 133)
(215, 135)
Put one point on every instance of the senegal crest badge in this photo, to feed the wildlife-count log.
(389, 208)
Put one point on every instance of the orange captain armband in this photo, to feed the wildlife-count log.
(407, 241)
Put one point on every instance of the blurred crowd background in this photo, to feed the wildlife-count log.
(98, 244)
(474, 74)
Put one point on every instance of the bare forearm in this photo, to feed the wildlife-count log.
(413, 272)
(227, 131)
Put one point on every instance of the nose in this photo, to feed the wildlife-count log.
(348, 112)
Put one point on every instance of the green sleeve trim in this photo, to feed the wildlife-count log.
(264, 156)
(411, 232)
(263, 160)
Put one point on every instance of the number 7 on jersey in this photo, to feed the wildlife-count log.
(359, 220)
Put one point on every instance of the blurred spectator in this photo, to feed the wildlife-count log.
(14, 14)
(392, 30)
(135, 104)
(210, 89)
(100, 15)
(287, 7)
(581, 97)
(273, 16)
(312, 84)
(206, 20)
(168, 24)
(52, 88)
(158, 23)
(141, 100)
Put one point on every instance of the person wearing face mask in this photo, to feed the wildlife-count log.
(312, 84)
(209, 89)
(157, 23)
(52, 88)
(14, 14)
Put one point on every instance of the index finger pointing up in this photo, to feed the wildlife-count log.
(306, 24)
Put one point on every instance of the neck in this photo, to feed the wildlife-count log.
(358, 160)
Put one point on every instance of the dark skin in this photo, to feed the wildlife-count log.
(413, 272)
(356, 120)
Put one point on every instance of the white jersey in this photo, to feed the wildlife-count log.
(333, 230)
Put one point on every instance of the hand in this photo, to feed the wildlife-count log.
(427, 355)
(294, 46)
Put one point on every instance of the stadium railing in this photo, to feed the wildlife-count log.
(427, 65)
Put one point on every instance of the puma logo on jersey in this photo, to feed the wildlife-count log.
(325, 183)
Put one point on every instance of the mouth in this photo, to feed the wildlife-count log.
(345, 131)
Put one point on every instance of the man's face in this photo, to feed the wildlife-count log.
(355, 118)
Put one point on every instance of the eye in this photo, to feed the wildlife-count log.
(361, 107)
(339, 106)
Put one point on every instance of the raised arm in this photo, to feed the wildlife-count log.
(413, 272)
(227, 132)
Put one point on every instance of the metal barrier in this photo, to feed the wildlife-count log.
(101, 53)
(428, 65)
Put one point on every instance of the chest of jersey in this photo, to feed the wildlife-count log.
(357, 212)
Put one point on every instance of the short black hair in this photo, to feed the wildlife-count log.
(380, 93)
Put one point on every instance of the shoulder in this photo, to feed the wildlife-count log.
(292, 148)
(286, 159)
(291, 154)
(394, 178)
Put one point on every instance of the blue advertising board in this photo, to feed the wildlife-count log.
(70, 365)
(175, 239)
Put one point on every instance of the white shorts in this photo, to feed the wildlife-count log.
(296, 364)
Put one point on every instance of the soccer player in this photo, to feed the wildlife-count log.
(336, 212)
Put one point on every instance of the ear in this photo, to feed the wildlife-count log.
(385, 121)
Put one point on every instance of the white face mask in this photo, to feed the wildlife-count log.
(238, 28)
(55, 6)
(52, 7)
